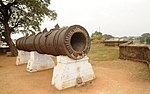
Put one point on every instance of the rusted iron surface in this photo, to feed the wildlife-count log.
(135, 52)
(73, 41)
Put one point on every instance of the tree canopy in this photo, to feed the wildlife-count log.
(107, 36)
(145, 35)
(23, 16)
(145, 38)
(96, 35)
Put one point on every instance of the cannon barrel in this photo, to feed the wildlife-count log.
(73, 41)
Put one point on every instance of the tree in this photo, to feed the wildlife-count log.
(22, 16)
(148, 40)
(145, 38)
(107, 36)
(145, 34)
(96, 35)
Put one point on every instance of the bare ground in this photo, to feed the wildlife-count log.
(112, 77)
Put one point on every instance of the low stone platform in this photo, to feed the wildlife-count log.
(135, 52)
(68, 72)
(22, 57)
(39, 62)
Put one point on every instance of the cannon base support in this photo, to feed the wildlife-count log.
(68, 72)
(22, 57)
(39, 62)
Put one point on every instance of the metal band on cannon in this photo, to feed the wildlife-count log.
(73, 41)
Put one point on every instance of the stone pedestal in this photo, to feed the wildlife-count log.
(22, 57)
(39, 62)
(68, 72)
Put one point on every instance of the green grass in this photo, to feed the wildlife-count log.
(99, 52)
(106, 56)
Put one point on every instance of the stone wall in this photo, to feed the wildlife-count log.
(135, 52)
(113, 42)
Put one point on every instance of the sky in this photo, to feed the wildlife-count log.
(115, 17)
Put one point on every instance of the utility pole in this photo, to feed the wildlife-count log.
(99, 28)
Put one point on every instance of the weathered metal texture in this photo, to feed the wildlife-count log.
(20, 43)
(135, 52)
(73, 41)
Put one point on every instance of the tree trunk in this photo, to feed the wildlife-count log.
(9, 41)
(12, 47)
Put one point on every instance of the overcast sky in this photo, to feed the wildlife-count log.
(115, 17)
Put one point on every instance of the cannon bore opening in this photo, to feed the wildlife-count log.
(78, 41)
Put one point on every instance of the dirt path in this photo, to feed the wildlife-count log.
(112, 77)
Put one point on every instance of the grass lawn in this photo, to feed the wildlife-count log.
(99, 52)
(107, 57)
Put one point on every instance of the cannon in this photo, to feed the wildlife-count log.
(72, 41)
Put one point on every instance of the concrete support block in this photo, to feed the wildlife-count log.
(22, 57)
(39, 62)
(68, 72)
